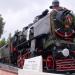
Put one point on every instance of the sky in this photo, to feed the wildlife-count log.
(19, 13)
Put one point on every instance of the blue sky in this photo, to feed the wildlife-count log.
(19, 13)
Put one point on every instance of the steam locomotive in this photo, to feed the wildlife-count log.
(58, 52)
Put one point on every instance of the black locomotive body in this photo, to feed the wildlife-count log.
(36, 39)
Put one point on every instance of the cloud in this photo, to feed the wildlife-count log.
(14, 20)
(19, 13)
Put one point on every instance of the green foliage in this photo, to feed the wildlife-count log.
(74, 19)
(1, 25)
(2, 42)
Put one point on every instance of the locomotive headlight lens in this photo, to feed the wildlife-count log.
(65, 52)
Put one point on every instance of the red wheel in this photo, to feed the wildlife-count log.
(50, 62)
(20, 62)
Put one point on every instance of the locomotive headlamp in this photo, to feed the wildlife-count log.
(65, 52)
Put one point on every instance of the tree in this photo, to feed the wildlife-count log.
(74, 18)
(2, 42)
(2, 23)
